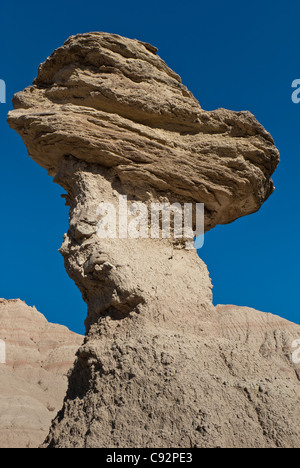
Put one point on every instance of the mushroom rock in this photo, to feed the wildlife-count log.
(113, 102)
(109, 119)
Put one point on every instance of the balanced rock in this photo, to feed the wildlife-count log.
(160, 365)
(112, 101)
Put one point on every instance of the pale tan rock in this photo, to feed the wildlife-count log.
(160, 365)
(231, 384)
(112, 101)
(33, 381)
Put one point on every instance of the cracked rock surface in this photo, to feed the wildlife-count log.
(160, 365)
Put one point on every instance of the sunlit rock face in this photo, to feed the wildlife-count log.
(33, 374)
(160, 365)
(113, 101)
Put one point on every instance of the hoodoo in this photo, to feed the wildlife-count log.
(160, 365)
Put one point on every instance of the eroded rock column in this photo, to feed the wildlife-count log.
(108, 119)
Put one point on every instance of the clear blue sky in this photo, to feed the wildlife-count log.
(230, 54)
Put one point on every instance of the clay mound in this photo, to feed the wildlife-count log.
(33, 381)
(231, 384)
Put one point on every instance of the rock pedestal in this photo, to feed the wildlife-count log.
(160, 365)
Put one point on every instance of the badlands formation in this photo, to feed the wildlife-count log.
(160, 366)
(33, 374)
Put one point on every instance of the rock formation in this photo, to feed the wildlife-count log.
(160, 365)
(33, 380)
(113, 102)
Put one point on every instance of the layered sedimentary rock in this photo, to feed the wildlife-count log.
(114, 102)
(160, 366)
(33, 373)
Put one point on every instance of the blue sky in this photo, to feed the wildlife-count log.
(229, 54)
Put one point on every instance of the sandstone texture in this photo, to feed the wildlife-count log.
(227, 381)
(113, 101)
(33, 381)
(160, 366)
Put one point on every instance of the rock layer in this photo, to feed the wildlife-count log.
(33, 379)
(160, 366)
(113, 101)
